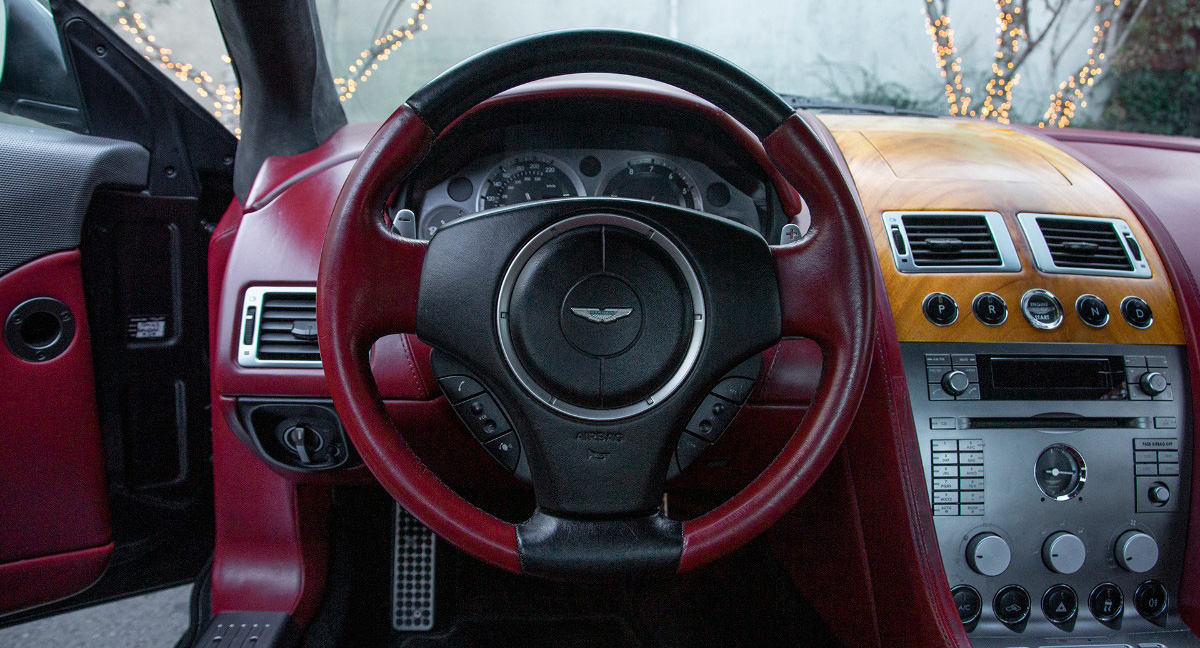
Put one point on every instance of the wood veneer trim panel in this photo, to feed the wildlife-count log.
(922, 141)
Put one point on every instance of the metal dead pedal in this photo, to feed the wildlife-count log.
(413, 574)
(247, 630)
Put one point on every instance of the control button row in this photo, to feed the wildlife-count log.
(958, 483)
(952, 377)
(1059, 604)
(715, 413)
(1062, 552)
(1041, 309)
(1155, 457)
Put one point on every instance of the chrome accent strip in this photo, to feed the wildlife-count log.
(518, 264)
(1045, 261)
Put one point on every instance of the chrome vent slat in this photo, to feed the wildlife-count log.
(950, 242)
(283, 327)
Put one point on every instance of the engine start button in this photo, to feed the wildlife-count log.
(1042, 309)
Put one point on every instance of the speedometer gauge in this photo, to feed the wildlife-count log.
(654, 179)
(526, 178)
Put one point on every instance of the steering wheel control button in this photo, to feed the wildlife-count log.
(1012, 606)
(1060, 472)
(1150, 600)
(1042, 309)
(506, 449)
(460, 388)
(1060, 605)
(988, 554)
(736, 389)
(1136, 551)
(483, 417)
(1137, 312)
(1106, 603)
(990, 308)
(1063, 553)
(689, 449)
(1092, 310)
(600, 317)
(940, 308)
(969, 605)
(712, 417)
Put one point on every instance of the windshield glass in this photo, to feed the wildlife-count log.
(1119, 64)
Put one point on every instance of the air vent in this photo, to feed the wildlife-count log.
(1083, 245)
(279, 328)
(950, 242)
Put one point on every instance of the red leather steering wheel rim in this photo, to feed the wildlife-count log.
(367, 288)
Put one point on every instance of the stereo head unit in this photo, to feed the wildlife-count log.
(1072, 378)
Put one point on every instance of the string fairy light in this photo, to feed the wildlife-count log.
(1071, 94)
(224, 99)
(945, 52)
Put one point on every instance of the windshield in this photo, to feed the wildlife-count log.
(1127, 65)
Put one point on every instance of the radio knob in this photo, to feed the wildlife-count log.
(1159, 494)
(955, 382)
(1153, 383)
(1136, 552)
(988, 554)
(1063, 553)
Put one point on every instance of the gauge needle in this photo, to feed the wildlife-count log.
(1055, 472)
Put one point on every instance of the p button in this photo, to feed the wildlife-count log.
(940, 308)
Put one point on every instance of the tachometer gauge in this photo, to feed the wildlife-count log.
(526, 178)
(437, 218)
(654, 179)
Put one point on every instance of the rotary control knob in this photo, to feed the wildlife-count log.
(955, 382)
(988, 554)
(1159, 494)
(1063, 553)
(1136, 552)
(1153, 383)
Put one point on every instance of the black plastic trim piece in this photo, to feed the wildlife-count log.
(687, 67)
(39, 329)
(582, 549)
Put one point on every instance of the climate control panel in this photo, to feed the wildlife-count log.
(1058, 481)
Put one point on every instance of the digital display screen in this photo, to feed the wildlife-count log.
(1043, 378)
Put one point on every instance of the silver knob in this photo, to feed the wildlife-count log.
(955, 382)
(1159, 494)
(1136, 552)
(1153, 383)
(1063, 553)
(988, 554)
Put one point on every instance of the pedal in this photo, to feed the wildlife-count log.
(414, 574)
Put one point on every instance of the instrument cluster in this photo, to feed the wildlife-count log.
(545, 174)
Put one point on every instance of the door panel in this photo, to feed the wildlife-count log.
(55, 536)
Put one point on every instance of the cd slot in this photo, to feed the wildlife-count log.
(1052, 422)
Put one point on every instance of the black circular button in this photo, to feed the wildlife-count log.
(601, 315)
(1060, 472)
(940, 308)
(1106, 602)
(1150, 599)
(1042, 309)
(990, 308)
(1137, 312)
(1060, 604)
(1092, 310)
(968, 602)
(1011, 605)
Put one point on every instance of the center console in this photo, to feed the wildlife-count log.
(1058, 477)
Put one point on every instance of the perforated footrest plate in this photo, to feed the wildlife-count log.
(413, 574)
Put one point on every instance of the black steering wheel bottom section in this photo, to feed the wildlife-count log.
(579, 549)
(647, 56)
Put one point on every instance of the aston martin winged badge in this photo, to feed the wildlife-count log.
(602, 315)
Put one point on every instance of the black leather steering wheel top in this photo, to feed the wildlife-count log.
(595, 321)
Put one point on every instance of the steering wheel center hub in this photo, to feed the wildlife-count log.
(600, 316)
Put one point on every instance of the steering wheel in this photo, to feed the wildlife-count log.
(596, 321)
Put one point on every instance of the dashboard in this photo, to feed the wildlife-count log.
(1029, 447)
